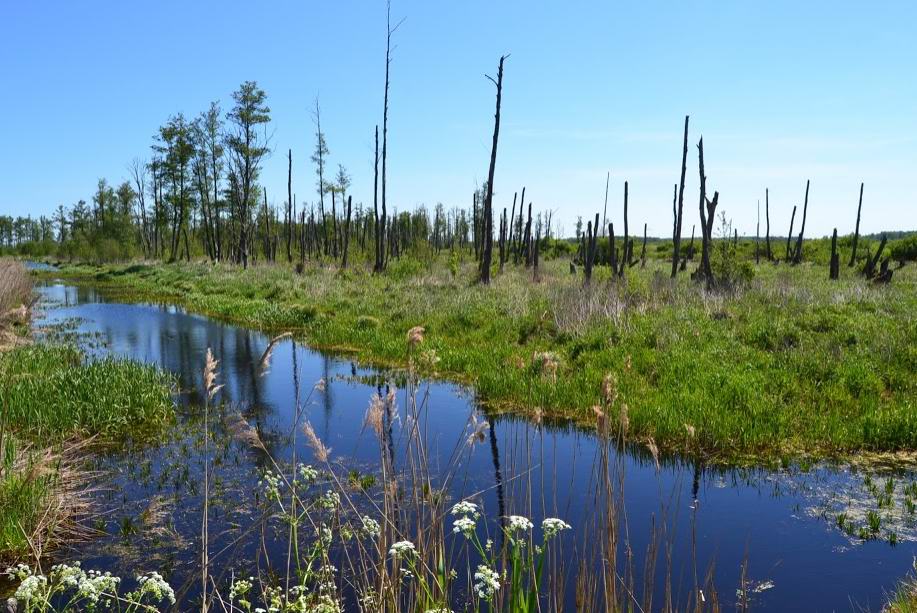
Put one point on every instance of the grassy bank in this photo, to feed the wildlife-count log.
(793, 363)
(52, 403)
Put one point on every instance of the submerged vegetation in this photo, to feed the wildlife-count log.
(788, 363)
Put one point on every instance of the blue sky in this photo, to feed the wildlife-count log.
(781, 91)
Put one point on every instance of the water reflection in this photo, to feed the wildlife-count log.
(783, 523)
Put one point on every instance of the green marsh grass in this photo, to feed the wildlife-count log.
(52, 392)
(790, 364)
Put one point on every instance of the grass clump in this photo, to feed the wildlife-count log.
(51, 392)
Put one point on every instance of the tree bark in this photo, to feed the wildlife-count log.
(856, 233)
(834, 267)
(488, 202)
(797, 257)
(625, 260)
(676, 239)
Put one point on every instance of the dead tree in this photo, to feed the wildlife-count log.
(676, 239)
(519, 229)
(789, 236)
(643, 249)
(706, 218)
(767, 227)
(346, 235)
(488, 201)
(389, 30)
(503, 239)
(509, 228)
(612, 250)
(290, 213)
(626, 259)
(869, 270)
(592, 232)
(797, 256)
(527, 246)
(834, 266)
(856, 233)
(378, 233)
(535, 254)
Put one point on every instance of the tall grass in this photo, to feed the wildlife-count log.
(52, 392)
(15, 285)
(787, 364)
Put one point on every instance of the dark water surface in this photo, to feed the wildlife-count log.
(784, 523)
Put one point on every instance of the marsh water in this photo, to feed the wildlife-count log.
(781, 522)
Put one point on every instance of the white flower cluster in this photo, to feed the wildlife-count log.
(517, 523)
(371, 527)
(331, 500)
(486, 582)
(552, 526)
(154, 587)
(402, 549)
(466, 508)
(443, 610)
(240, 588)
(94, 585)
(464, 525)
(90, 587)
(33, 587)
(270, 483)
(308, 473)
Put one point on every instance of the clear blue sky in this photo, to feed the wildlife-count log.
(782, 91)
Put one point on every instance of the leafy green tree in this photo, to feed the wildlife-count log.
(247, 146)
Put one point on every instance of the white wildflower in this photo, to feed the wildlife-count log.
(371, 527)
(466, 507)
(517, 523)
(552, 526)
(154, 587)
(486, 582)
(465, 525)
(33, 587)
(308, 473)
(402, 549)
(331, 500)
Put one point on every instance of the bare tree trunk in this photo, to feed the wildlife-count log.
(767, 221)
(388, 61)
(346, 236)
(643, 249)
(870, 268)
(289, 217)
(856, 233)
(835, 266)
(612, 250)
(625, 259)
(706, 219)
(503, 240)
(488, 202)
(377, 226)
(509, 228)
(527, 246)
(589, 255)
(797, 257)
(676, 239)
(535, 256)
